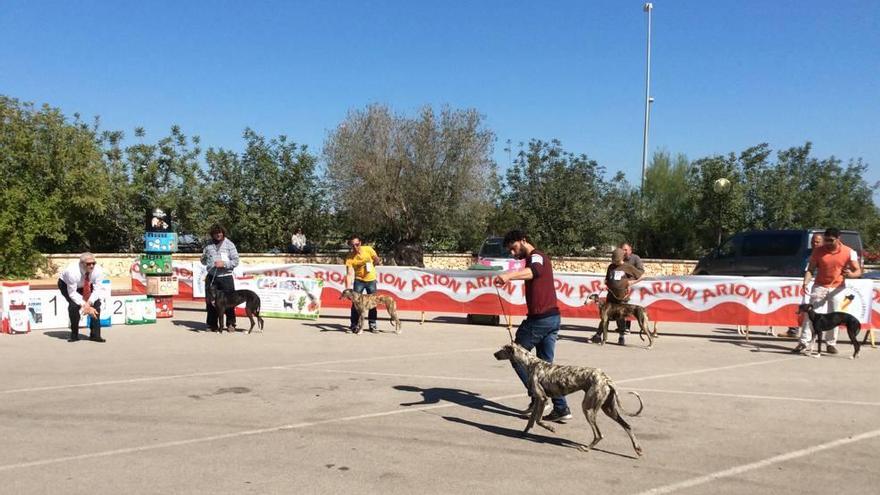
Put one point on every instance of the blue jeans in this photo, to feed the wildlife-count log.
(540, 334)
(370, 288)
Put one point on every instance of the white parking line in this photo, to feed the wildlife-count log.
(701, 480)
(147, 379)
(406, 375)
(239, 434)
(758, 397)
(490, 380)
(707, 370)
(225, 436)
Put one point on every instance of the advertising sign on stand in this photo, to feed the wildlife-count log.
(285, 297)
(14, 307)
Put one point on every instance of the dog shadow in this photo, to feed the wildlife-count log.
(530, 436)
(64, 334)
(325, 327)
(457, 396)
(758, 342)
(754, 345)
(458, 320)
(575, 338)
(191, 325)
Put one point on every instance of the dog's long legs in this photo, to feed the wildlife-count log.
(535, 415)
(360, 327)
(610, 408)
(603, 325)
(250, 316)
(392, 312)
(540, 400)
(590, 406)
(644, 327)
(853, 330)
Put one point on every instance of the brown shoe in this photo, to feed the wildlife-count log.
(830, 349)
(799, 349)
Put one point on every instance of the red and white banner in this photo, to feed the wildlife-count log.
(696, 299)
(875, 306)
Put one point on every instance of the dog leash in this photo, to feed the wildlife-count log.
(506, 318)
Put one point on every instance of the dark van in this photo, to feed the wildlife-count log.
(768, 253)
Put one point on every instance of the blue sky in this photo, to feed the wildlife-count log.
(725, 76)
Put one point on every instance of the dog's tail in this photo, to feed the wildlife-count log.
(257, 314)
(620, 406)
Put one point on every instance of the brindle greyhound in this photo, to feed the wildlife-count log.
(550, 380)
(609, 311)
(364, 302)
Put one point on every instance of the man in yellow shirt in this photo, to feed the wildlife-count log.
(360, 276)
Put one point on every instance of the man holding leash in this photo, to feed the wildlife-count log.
(360, 276)
(540, 329)
(618, 278)
(834, 263)
(636, 261)
(77, 284)
(221, 257)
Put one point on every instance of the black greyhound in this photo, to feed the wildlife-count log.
(222, 300)
(830, 321)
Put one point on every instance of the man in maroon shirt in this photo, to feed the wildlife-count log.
(540, 329)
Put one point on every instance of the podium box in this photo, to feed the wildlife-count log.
(155, 264)
(164, 306)
(162, 285)
(160, 242)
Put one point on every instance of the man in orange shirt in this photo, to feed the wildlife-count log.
(834, 263)
(815, 242)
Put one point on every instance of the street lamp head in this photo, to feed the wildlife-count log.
(648, 7)
(651, 99)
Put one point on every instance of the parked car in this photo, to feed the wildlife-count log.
(189, 243)
(493, 253)
(770, 253)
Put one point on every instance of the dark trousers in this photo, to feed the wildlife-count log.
(73, 312)
(224, 284)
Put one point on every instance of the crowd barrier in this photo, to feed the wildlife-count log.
(751, 301)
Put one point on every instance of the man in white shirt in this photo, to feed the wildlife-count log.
(298, 242)
(78, 284)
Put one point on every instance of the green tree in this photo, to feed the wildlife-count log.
(665, 229)
(409, 181)
(166, 175)
(563, 200)
(261, 195)
(51, 178)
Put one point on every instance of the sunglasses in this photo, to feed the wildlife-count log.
(91, 263)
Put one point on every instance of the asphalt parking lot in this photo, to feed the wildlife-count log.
(307, 408)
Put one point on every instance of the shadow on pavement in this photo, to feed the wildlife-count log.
(461, 397)
(531, 436)
(191, 325)
(326, 327)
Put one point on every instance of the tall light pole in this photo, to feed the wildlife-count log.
(648, 7)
